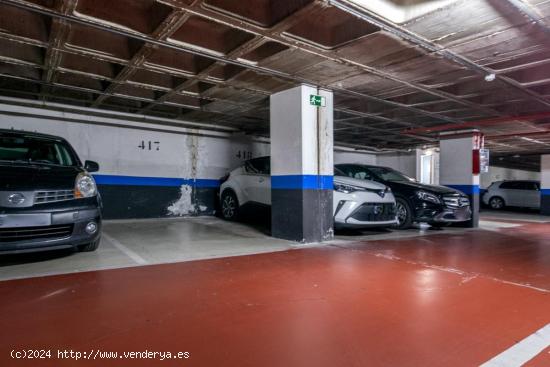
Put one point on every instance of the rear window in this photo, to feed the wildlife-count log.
(261, 166)
(519, 185)
(23, 149)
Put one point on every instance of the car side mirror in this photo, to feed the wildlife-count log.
(91, 166)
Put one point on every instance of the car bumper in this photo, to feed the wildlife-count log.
(351, 215)
(66, 229)
(453, 215)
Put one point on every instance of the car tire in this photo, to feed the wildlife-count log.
(404, 214)
(89, 247)
(496, 203)
(229, 205)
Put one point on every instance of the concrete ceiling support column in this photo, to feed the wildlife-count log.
(301, 165)
(457, 168)
(545, 184)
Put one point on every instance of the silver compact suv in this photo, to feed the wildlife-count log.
(356, 203)
(525, 194)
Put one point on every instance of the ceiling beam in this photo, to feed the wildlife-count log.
(262, 70)
(170, 25)
(420, 41)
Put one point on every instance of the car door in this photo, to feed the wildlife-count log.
(512, 193)
(259, 180)
(530, 195)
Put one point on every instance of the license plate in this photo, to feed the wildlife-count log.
(25, 220)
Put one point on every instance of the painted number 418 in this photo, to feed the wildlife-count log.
(149, 145)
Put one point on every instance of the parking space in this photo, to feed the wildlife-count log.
(149, 242)
(437, 296)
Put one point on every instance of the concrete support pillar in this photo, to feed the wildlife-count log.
(459, 168)
(545, 184)
(301, 164)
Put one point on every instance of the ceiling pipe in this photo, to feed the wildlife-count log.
(25, 5)
(405, 34)
(529, 12)
(416, 39)
(516, 135)
(474, 124)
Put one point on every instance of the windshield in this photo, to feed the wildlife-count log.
(35, 150)
(388, 174)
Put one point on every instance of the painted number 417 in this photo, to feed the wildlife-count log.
(149, 145)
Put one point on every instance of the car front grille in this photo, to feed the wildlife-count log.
(35, 233)
(43, 197)
(370, 213)
(456, 202)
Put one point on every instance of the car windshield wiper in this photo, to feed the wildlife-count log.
(29, 162)
(15, 161)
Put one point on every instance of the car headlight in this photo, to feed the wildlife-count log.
(426, 196)
(347, 189)
(85, 186)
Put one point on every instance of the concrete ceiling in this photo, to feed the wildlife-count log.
(217, 61)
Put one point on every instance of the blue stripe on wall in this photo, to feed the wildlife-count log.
(304, 182)
(545, 192)
(467, 189)
(154, 181)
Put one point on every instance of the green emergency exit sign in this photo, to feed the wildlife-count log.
(316, 100)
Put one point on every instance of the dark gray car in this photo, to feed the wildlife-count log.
(48, 199)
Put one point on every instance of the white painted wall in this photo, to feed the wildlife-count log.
(455, 167)
(403, 162)
(180, 154)
(301, 134)
(354, 157)
(500, 173)
(545, 169)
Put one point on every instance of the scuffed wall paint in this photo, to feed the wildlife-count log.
(184, 205)
(500, 173)
(123, 151)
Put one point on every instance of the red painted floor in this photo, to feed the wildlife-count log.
(440, 300)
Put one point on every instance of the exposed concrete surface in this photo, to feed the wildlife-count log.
(453, 299)
(128, 243)
(514, 215)
(145, 242)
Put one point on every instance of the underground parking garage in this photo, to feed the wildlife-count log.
(275, 183)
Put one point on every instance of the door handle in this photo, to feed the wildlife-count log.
(262, 179)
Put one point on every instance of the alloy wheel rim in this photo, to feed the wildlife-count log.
(497, 203)
(228, 207)
(401, 213)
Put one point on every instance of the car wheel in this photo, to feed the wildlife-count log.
(404, 214)
(89, 247)
(497, 203)
(230, 205)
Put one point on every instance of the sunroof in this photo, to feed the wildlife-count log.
(401, 11)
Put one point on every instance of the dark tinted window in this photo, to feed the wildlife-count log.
(529, 185)
(337, 172)
(519, 185)
(260, 166)
(388, 174)
(355, 171)
(23, 149)
(509, 185)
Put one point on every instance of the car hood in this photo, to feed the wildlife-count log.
(25, 177)
(368, 184)
(436, 189)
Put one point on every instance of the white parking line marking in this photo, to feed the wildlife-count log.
(522, 352)
(131, 254)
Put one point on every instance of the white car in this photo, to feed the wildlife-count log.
(524, 194)
(356, 203)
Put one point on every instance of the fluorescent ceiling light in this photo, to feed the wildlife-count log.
(401, 11)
